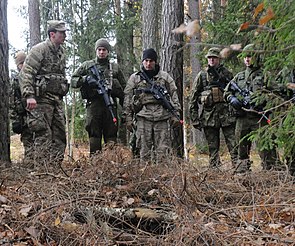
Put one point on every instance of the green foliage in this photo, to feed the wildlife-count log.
(275, 39)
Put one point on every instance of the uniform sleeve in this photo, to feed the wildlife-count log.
(194, 98)
(128, 94)
(78, 77)
(119, 89)
(173, 92)
(228, 91)
(30, 70)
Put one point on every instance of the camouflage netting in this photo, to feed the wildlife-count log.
(114, 200)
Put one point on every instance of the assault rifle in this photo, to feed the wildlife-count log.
(245, 94)
(160, 93)
(98, 81)
(245, 100)
(217, 80)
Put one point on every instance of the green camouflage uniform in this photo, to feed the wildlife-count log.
(43, 78)
(152, 119)
(216, 114)
(99, 121)
(18, 116)
(251, 79)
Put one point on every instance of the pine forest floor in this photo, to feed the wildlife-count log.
(112, 199)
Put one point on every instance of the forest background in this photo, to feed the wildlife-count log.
(181, 32)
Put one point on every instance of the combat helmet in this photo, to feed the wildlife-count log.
(248, 50)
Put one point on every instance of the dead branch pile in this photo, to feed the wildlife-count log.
(111, 199)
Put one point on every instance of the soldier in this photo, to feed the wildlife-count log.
(250, 81)
(43, 85)
(152, 119)
(17, 109)
(216, 115)
(99, 120)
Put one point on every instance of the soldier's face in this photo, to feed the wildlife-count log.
(213, 61)
(102, 52)
(58, 37)
(149, 64)
(248, 61)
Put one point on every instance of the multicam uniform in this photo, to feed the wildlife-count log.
(99, 121)
(43, 78)
(251, 79)
(152, 119)
(18, 116)
(216, 113)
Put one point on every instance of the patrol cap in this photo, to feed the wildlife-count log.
(103, 43)
(213, 52)
(56, 25)
(19, 57)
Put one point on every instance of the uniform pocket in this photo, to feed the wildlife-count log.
(36, 121)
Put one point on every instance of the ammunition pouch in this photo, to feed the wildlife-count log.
(211, 96)
(206, 98)
(52, 83)
(217, 95)
(142, 97)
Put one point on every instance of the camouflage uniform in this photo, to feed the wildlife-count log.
(18, 116)
(216, 114)
(152, 119)
(99, 121)
(251, 79)
(43, 78)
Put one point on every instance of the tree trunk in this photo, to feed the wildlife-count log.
(125, 53)
(194, 135)
(34, 22)
(172, 56)
(4, 85)
(150, 24)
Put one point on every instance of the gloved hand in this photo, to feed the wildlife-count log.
(235, 102)
(197, 125)
(92, 83)
(129, 126)
(175, 122)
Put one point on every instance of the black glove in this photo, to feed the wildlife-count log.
(17, 127)
(235, 102)
(92, 83)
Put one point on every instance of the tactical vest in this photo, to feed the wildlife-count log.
(110, 82)
(50, 77)
(212, 93)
